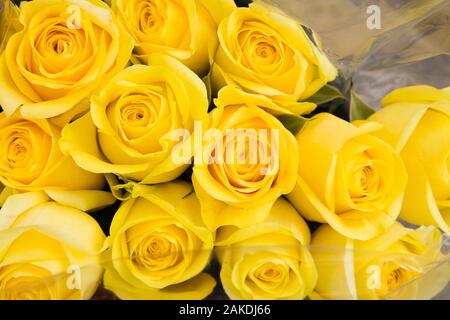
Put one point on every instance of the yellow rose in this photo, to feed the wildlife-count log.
(263, 51)
(269, 260)
(247, 161)
(129, 131)
(417, 124)
(183, 29)
(159, 245)
(347, 177)
(389, 266)
(65, 50)
(51, 249)
(32, 160)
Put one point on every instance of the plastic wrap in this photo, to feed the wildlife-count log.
(411, 47)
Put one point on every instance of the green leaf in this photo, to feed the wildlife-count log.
(326, 94)
(335, 106)
(359, 110)
(292, 122)
(207, 81)
(120, 187)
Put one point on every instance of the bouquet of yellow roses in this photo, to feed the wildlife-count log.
(186, 149)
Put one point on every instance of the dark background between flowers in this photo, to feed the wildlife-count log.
(337, 98)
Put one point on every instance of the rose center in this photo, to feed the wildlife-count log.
(24, 150)
(159, 248)
(244, 158)
(150, 19)
(60, 46)
(365, 177)
(394, 279)
(60, 41)
(151, 16)
(269, 272)
(265, 50)
(261, 49)
(17, 151)
(394, 276)
(268, 277)
(18, 147)
(137, 115)
(157, 252)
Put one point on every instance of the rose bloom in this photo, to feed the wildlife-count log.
(65, 50)
(50, 249)
(417, 124)
(183, 29)
(268, 260)
(347, 177)
(129, 129)
(246, 162)
(263, 51)
(389, 266)
(32, 160)
(159, 246)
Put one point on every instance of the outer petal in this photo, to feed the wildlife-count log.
(17, 204)
(217, 213)
(195, 88)
(230, 95)
(420, 206)
(79, 140)
(219, 9)
(399, 122)
(197, 288)
(420, 94)
(63, 223)
(283, 218)
(333, 255)
(84, 200)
